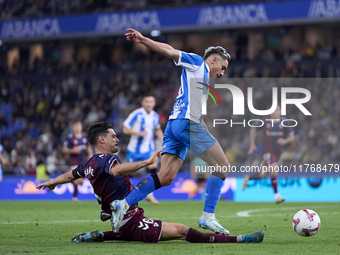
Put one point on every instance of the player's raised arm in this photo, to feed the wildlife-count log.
(118, 170)
(161, 48)
(61, 179)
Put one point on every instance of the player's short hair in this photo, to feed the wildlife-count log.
(148, 95)
(74, 121)
(96, 130)
(217, 50)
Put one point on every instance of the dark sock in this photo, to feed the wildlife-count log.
(274, 184)
(75, 192)
(195, 236)
(109, 235)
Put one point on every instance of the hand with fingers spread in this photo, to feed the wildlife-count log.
(155, 155)
(50, 185)
(134, 35)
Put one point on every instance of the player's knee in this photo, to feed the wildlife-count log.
(182, 231)
(166, 180)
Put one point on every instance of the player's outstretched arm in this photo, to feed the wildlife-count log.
(161, 48)
(118, 170)
(61, 179)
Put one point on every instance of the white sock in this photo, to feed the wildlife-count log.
(208, 215)
(277, 195)
(239, 239)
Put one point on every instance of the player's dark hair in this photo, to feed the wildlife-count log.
(148, 95)
(217, 50)
(74, 121)
(96, 130)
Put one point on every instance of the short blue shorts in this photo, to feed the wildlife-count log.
(183, 134)
(134, 157)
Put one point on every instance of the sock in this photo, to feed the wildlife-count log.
(277, 195)
(75, 191)
(195, 236)
(143, 188)
(208, 215)
(213, 192)
(254, 176)
(109, 235)
(274, 184)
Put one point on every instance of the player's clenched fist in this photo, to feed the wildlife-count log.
(134, 35)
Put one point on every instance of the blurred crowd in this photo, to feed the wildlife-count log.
(35, 114)
(10, 9)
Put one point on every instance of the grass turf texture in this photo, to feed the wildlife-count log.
(47, 227)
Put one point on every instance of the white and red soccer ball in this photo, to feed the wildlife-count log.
(306, 222)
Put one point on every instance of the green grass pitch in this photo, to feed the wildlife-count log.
(47, 228)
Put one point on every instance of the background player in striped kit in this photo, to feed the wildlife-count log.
(275, 137)
(77, 146)
(143, 124)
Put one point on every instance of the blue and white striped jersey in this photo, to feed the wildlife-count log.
(140, 120)
(188, 103)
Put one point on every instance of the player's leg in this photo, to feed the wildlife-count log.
(132, 157)
(205, 146)
(77, 182)
(273, 176)
(172, 159)
(266, 159)
(176, 231)
(170, 165)
(152, 169)
(95, 236)
(215, 157)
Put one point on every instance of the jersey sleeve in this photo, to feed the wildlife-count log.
(157, 123)
(131, 119)
(110, 160)
(67, 143)
(80, 170)
(189, 61)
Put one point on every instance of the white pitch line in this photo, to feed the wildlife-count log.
(174, 218)
(247, 213)
(48, 222)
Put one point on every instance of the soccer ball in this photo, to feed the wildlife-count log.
(306, 222)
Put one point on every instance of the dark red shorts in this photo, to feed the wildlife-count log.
(140, 228)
